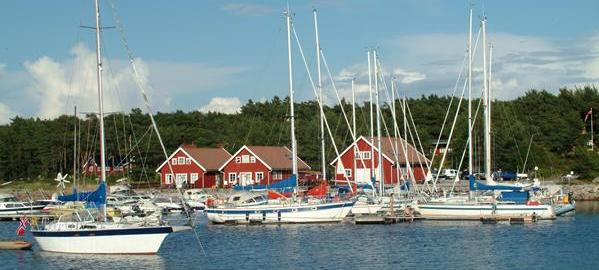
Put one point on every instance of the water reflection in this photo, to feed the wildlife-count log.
(86, 261)
(585, 207)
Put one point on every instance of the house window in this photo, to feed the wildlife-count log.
(169, 179)
(245, 159)
(252, 159)
(174, 161)
(232, 178)
(181, 160)
(362, 155)
(188, 161)
(194, 177)
(259, 176)
(277, 175)
(237, 159)
(348, 172)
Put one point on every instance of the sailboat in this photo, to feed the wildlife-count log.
(283, 211)
(505, 201)
(86, 231)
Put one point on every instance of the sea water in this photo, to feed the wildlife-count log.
(565, 243)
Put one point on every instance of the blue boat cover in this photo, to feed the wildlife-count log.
(92, 198)
(520, 197)
(476, 185)
(283, 186)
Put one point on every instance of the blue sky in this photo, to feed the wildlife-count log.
(215, 55)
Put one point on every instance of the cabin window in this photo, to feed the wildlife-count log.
(169, 179)
(232, 178)
(277, 175)
(348, 172)
(259, 176)
(188, 161)
(194, 177)
(252, 159)
(245, 159)
(237, 159)
(181, 160)
(174, 161)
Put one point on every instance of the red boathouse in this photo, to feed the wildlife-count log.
(194, 167)
(366, 155)
(262, 165)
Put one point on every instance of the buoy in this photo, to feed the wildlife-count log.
(14, 244)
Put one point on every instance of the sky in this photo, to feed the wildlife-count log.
(217, 55)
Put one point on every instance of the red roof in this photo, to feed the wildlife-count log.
(210, 158)
(388, 144)
(277, 157)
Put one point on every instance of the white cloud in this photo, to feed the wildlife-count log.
(228, 105)
(248, 9)
(5, 114)
(48, 87)
(407, 77)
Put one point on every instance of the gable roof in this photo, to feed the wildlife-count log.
(209, 159)
(273, 157)
(388, 144)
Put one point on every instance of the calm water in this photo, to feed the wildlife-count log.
(566, 243)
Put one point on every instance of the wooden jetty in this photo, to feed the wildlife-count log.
(15, 244)
(16, 217)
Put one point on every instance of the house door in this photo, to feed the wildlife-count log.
(181, 179)
(245, 178)
(363, 175)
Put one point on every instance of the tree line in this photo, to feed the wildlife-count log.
(539, 129)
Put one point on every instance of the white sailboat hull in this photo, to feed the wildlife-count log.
(366, 208)
(111, 241)
(305, 213)
(476, 211)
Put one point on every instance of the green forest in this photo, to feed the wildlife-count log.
(551, 125)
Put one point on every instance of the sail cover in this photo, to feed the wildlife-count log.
(92, 198)
(283, 186)
(476, 185)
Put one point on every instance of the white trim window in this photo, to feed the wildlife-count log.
(174, 161)
(252, 159)
(194, 177)
(237, 159)
(188, 161)
(245, 159)
(181, 160)
(259, 177)
(348, 172)
(277, 175)
(363, 155)
(232, 178)
(169, 179)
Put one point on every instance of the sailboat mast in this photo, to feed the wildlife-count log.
(100, 97)
(291, 105)
(322, 141)
(353, 113)
(487, 103)
(372, 174)
(75, 148)
(470, 143)
(395, 131)
(378, 125)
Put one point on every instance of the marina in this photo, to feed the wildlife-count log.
(460, 148)
(446, 242)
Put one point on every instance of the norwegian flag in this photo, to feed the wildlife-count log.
(589, 113)
(22, 226)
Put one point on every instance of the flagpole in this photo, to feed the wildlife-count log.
(592, 139)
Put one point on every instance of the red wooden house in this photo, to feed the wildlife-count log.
(193, 167)
(361, 169)
(262, 165)
(90, 167)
